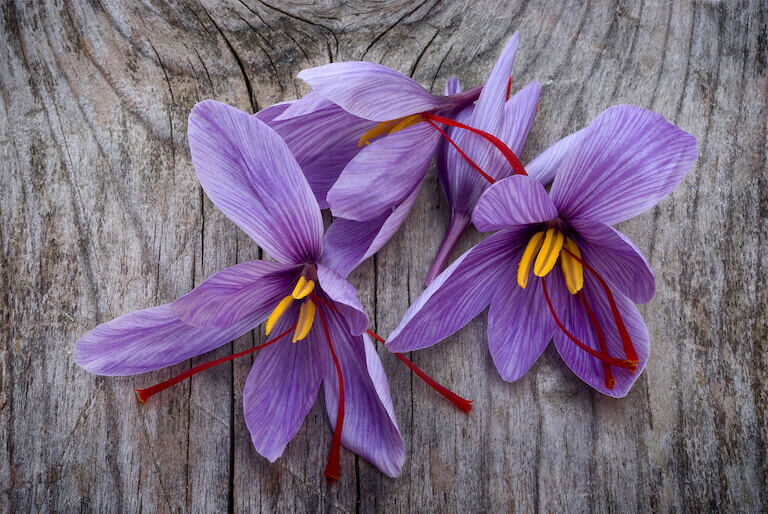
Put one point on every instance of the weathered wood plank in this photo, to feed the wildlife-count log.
(100, 214)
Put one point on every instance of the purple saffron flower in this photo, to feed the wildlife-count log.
(384, 178)
(250, 174)
(556, 269)
(510, 120)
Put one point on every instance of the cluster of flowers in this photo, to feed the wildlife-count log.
(361, 144)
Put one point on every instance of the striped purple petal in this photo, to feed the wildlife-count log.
(458, 294)
(516, 201)
(370, 428)
(626, 161)
(234, 293)
(250, 174)
(371, 91)
(151, 339)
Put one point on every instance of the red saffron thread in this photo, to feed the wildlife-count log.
(145, 394)
(517, 166)
(626, 340)
(629, 365)
(609, 381)
(458, 401)
(466, 157)
(509, 86)
(332, 468)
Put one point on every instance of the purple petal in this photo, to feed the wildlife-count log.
(573, 315)
(489, 108)
(519, 326)
(458, 294)
(273, 111)
(281, 388)
(383, 174)
(616, 259)
(546, 164)
(324, 142)
(250, 174)
(513, 202)
(370, 428)
(151, 339)
(371, 91)
(453, 86)
(348, 243)
(344, 296)
(461, 182)
(236, 292)
(628, 160)
(307, 105)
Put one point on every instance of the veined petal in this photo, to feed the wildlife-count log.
(324, 141)
(628, 159)
(519, 326)
(344, 297)
(281, 388)
(458, 294)
(348, 243)
(371, 91)
(151, 339)
(383, 174)
(370, 428)
(489, 108)
(250, 174)
(513, 202)
(234, 293)
(452, 86)
(573, 315)
(616, 258)
(307, 105)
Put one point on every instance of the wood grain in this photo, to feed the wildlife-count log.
(101, 214)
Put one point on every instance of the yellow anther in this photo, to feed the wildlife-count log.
(524, 269)
(278, 312)
(406, 122)
(389, 127)
(306, 318)
(303, 288)
(573, 271)
(550, 251)
(381, 128)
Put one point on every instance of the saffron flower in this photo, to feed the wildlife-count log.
(556, 269)
(314, 314)
(510, 120)
(384, 178)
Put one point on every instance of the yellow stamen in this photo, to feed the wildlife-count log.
(384, 126)
(573, 271)
(550, 251)
(390, 127)
(306, 318)
(278, 312)
(524, 269)
(406, 122)
(303, 288)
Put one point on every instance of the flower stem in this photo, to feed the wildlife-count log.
(456, 228)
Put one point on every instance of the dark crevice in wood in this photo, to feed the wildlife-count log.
(240, 63)
(388, 29)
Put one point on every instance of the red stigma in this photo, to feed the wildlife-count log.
(613, 361)
(609, 381)
(145, 394)
(509, 87)
(466, 157)
(626, 340)
(458, 401)
(332, 468)
(508, 154)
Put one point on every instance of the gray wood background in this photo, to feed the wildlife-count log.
(102, 214)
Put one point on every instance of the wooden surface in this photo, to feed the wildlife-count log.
(102, 214)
